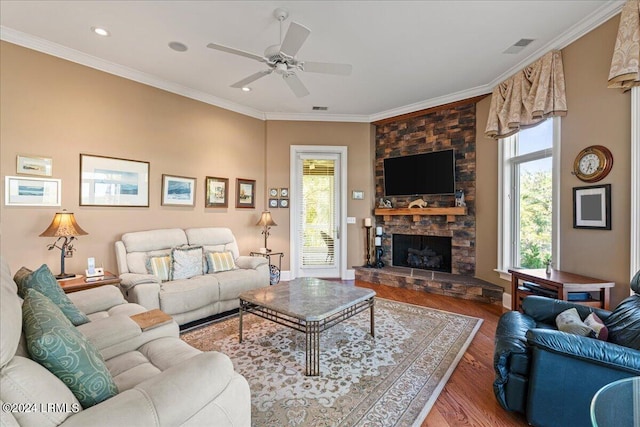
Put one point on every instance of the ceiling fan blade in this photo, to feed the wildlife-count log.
(327, 68)
(252, 78)
(296, 85)
(236, 52)
(293, 40)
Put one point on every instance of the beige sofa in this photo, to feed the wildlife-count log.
(161, 380)
(189, 299)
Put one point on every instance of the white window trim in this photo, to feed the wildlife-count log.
(505, 208)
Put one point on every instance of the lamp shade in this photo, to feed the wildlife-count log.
(63, 224)
(266, 220)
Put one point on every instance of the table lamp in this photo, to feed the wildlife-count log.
(266, 222)
(63, 226)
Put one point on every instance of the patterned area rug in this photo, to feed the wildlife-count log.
(390, 380)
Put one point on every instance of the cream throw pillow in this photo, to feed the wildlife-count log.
(569, 321)
(220, 261)
(186, 262)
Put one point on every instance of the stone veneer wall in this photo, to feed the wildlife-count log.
(455, 128)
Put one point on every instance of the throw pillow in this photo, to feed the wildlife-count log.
(43, 281)
(57, 345)
(220, 261)
(597, 325)
(186, 262)
(21, 275)
(569, 321)
(159, 266)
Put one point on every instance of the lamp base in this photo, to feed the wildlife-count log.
(64, 276)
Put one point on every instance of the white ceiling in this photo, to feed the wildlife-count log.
(406, 55)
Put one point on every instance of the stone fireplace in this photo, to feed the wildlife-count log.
(421, 251)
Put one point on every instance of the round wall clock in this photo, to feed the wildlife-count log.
(593, 163)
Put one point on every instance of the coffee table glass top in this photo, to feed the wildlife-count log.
(308, 299)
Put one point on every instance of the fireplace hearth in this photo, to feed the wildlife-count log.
(422, 251)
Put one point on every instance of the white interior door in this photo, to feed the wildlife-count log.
(316, 211)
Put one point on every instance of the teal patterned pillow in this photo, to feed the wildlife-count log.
(43, 281)
(57, 345)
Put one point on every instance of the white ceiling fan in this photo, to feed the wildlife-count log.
(281, 58)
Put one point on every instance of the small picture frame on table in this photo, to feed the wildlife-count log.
(592, 207)
(216, 192)
(178, 190)
(245, 193)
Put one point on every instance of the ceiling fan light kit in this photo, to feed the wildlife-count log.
(281, 58)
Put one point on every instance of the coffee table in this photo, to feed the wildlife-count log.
(308, 305)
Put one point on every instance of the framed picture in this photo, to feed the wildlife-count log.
(29, 165)
(23, 191)
(216, 192)
(273, 203)
(284, 192)
(284, 203)
(357, 195)
(109, 181)
(273, 192)
(178, 191)
(592, 207)
(245, 193)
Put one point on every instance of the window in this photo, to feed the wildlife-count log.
(528, 219)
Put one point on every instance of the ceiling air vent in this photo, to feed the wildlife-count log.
(317, 108)
(518, 46)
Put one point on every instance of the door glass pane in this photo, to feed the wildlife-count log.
(535, 196)
(318, 213)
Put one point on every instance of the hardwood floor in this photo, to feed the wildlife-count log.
(467, 399)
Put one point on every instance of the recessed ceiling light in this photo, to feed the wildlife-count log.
(100, 31)
(246, 89)
(178, 47)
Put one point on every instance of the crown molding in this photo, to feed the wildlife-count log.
(319, 117)
(41, 45)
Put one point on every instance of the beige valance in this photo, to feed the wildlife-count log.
(625, 64)
(527, 98)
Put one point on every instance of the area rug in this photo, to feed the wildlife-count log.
(390, 380)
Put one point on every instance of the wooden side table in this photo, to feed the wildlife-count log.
(82, 283)
(561, 283)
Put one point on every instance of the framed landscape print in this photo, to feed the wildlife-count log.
(245, 193)
(31, 165)
(592, 207)
(216, 192)
(23, 191)
(178, 191)
(109, 181)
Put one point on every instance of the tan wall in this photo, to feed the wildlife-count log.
(597, 115)
(357, 137)
(55, 108)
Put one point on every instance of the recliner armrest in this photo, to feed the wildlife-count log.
(129, 280)
(250, 262)
(586, 349)
(97, 299)
(545, 310)
(111, 330)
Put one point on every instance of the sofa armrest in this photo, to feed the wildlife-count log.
(250, 262)
(586, 349)
(544, 310)
(109, 331)
(171, 398)
(145, 294)
(129, 280)
(97, 299)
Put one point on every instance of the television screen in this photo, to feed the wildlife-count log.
(427, 173)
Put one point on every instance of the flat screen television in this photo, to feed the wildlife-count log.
(427, 173)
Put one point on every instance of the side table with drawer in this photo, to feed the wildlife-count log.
(81, 283)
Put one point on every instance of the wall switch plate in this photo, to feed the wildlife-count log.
(351, 220)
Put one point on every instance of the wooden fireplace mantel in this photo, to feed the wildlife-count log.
(416, 213)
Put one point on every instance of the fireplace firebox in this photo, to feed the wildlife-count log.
(421, 251)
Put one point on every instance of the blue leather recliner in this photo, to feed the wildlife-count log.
(551, 376)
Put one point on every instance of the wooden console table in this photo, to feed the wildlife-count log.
(81, 283)
(562, 283)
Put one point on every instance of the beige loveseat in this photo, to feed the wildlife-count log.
(196, 297)
(161, 380)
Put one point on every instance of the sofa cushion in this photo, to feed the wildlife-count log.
(58, 346)
(234, 282)
(219, 261)
(569, 321)
(43, 281)
(624, 323)
(159, 266)
(215, 239)
(182, 296)
(186, 262)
